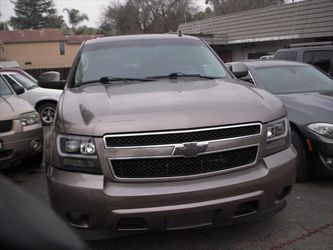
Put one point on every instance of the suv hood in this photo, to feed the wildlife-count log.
(163, 105)
(305, 108)
(12, 106)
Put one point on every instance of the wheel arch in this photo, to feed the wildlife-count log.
(39, 103)
(299, 132)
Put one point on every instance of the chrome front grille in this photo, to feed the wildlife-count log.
(183, 153)
(181, 136)
(181, 166)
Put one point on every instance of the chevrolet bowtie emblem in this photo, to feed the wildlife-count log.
(190, 149)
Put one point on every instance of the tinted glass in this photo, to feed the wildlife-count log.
(146, 58)
(288, 56)
(24, 81)
(10, 81)
(307, 57)
(322, 59)
(293, 79)
(4, 89)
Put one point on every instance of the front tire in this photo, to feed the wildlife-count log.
(47, 112)
(302, 159)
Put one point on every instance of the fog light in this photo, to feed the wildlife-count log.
(78, 220)
(36, 145)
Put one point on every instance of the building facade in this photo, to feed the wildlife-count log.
(254, 33)
(37, 51)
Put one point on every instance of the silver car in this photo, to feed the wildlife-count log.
(42, 99)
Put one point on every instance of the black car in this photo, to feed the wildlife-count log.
(318, 54)
(307, 93)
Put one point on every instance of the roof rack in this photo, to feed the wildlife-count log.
(298, 45)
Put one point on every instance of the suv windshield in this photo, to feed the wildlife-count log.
(4, 89)
(147, 58)
(293, 79)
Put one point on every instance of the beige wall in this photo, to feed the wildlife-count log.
(41, 54)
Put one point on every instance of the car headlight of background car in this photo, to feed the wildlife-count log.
(76, 153)
(321, 128)
(278, 136)
(30, 118)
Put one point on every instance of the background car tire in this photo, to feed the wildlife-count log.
(47, 112)
(302, 160)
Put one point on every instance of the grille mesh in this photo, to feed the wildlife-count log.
(171, 167)
(173, 138)
(6, 126)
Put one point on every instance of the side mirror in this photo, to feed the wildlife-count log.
(239, 70)
(18, 89)
(50, 76)
(52, 85)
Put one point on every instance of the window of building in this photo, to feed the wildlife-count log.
(62, 48)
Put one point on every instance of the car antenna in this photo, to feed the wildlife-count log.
(180, 34)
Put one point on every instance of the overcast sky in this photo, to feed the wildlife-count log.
(93, 8)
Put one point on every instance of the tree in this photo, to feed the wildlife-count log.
(199, 15)
(85, 30)
(75, 17)
(3, 25)
(145, 16)
(35, 14)
(222, 7)
(121, 19)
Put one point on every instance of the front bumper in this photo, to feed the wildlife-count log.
(92, 203)
(17, 143)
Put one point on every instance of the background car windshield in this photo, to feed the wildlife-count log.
(24, 81)
(4, 89)
(146, 58)
(293, 79)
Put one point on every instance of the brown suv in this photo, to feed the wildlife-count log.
(21, 133)
(153, 132)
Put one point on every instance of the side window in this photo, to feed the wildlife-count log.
(286, 55)
(322, 59)
(11, 81)
(307, 57)
(4, 89)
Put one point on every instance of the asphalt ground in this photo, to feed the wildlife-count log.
(306, 222)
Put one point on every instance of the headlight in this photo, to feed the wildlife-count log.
(76, 153)
(76, 145)
(324, 129)
(278, 137)
(30, 118)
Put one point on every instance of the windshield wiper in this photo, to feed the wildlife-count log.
(108, 79)
(175, 75)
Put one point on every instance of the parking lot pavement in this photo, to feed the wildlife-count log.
(306, 223)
